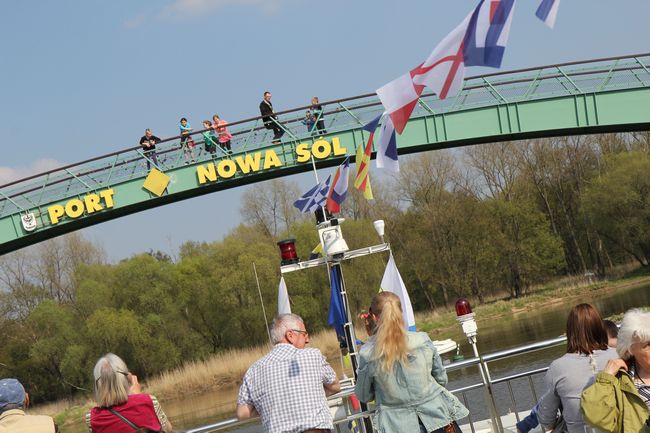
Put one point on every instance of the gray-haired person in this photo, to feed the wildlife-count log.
(619, 400)
(288, 386)
(148, 143)
(13, 402)
(121, 406)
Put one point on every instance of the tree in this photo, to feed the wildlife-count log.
(269, 206)
(524, 237)
(618, 202)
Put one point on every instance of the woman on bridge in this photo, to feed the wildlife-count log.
(403, 373)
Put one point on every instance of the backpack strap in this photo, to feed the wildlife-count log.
(120, 416)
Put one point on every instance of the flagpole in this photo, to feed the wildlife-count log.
(350, 335)
(313, 164)
(259, 290)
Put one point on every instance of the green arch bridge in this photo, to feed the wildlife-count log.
(595, 96)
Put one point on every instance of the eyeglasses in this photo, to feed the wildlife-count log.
(300, 331)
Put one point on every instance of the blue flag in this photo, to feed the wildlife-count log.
(314, 198)
(547, 11)
(336, 316)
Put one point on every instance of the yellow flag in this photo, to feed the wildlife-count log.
(362, 178)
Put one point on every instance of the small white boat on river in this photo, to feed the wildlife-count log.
(445, 346)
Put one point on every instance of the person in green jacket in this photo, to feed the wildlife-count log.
(619, 400)
(209, 139)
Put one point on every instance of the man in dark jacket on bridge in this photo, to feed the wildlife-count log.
(148, 143)
(270, 119)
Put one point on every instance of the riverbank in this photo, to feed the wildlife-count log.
(565, 290)
(219, 376)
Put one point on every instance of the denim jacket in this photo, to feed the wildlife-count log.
(409, 393)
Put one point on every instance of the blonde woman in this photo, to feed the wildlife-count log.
(403, 373)
(121, 407)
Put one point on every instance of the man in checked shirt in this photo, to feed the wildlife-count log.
(288, 386)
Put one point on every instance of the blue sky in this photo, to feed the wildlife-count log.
(83, 78)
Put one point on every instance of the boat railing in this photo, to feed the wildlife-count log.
(341, 424)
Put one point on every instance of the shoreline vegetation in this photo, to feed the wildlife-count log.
(220, 372)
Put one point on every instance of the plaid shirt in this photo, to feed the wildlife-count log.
(286, 388)
(642, 388)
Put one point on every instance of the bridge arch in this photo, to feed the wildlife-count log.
(594, 96)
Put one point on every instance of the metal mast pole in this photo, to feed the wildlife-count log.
(350, 336)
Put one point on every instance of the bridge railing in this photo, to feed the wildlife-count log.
(250, 135)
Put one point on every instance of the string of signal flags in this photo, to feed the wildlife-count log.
(479, 40)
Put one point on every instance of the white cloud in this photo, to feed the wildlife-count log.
(134, 22)
(9, 174)
(190, 8)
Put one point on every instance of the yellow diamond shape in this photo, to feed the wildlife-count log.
(156, 182)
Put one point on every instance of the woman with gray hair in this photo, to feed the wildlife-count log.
(121, 407)
(619, 400)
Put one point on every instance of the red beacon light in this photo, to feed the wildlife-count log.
(465, 316)
(462, 307)
(288, 252)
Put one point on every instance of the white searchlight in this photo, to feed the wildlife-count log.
(331, 238)
(380, 225)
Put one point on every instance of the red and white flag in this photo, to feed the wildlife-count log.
(479, 40)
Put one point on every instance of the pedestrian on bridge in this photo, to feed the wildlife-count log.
(148, 143)
(220, 126)
(270, 119)
(288, 386)
(308, 121)
(317, 111)
(209, 138)
(187, 143)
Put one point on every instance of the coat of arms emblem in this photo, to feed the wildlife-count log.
(29, 221)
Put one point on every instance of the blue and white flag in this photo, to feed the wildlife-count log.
(387, 147)
(487, 33)
(547, 11)
(284, 307)
(392, 282)
(314, 198)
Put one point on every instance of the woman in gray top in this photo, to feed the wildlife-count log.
(566, 378)
(403, 373)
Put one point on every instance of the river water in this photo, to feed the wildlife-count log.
(493, 335)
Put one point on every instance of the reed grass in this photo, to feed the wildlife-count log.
(224, 369)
